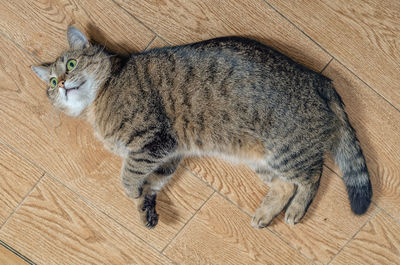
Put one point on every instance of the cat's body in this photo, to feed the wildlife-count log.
(229, 97)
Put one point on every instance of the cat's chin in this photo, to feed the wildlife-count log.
(77, 99)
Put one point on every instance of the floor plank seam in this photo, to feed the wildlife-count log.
(151, 41)
(12, 148)
(348, 241)
(325, 50)
(138, 20)
(188, 221)
(23, 200)
(386, 212)
(323, 69)
(17, 253)
(20, 47)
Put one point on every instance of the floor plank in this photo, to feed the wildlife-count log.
(68, 231)
(361, 34)
(328, 225)
(377, 243)
(9, 258)
(180, 22)
(221, 234)
(40, 26)
(377, 125)
(17, 178)
(68, 150)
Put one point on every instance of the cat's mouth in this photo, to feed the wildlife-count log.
(67, 90)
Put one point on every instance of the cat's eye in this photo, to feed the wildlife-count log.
(71, 64)
(53, 82)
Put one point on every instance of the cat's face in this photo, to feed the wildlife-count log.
(74, 78)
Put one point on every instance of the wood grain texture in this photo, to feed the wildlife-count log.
(17, 178)
(68, 231)
(68, 150)
(221, 234)
(9, 258)
(327, 226)
(377, 243)
(364, 35)
(377, 125)
(181, 21)
(39, 26)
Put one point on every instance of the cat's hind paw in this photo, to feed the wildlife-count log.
(262, 218)
(294, 213)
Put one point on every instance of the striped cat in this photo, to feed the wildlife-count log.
(229, 97)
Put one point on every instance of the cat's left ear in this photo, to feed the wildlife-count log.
(42, 72)
(76, 39)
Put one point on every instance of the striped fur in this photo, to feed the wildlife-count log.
(229, 97)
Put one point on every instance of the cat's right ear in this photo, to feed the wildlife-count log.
(42, 72)
(76, 39)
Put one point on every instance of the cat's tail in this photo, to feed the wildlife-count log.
(348, 154)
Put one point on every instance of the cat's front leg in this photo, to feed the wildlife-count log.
(134, 171)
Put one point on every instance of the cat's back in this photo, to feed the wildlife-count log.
(233, 63)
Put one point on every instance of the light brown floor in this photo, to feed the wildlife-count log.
(60, 197)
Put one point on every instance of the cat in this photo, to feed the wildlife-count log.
(230, 97)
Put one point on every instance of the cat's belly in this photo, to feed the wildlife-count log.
(253, 161)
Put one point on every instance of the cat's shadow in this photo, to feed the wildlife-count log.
(169, 213)
(97, 36)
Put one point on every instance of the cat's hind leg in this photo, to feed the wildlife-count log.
(146, 203)
(277, 198)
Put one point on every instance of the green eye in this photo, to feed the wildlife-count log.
(71, 64)
(53, 82)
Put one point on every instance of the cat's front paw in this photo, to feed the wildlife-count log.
(147, 211)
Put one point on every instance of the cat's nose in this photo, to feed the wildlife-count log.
(61, 84)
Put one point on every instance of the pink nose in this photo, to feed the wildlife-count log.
(61, 84)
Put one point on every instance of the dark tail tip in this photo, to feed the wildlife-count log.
(360, 197)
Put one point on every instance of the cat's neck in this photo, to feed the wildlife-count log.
(116, 63)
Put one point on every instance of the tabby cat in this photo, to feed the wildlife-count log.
(230, 97)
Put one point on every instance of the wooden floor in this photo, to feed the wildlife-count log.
(60, 196)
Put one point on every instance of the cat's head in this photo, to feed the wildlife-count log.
(74, 79)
